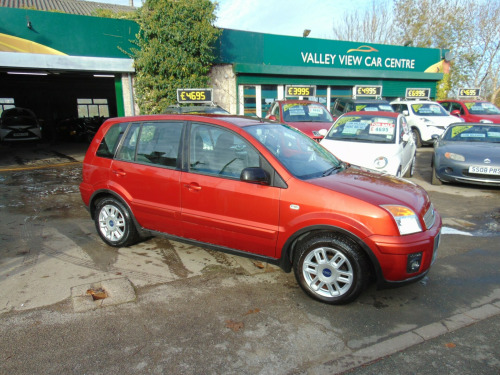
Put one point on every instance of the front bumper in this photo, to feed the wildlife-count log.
(393, 253)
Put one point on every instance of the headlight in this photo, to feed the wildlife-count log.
(406, 220)
(380, 162)
(453, 156)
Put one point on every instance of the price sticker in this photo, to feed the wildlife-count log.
(362, 91)
(194, 95)
(418, 93)
(294, 91)
(469, 93)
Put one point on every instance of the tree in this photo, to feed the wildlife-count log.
(469, 29)
(374, 25)
(175, 50)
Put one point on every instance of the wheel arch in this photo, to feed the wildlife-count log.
(106, 193)
(290, 246)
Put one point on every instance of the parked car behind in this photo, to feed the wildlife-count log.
(263, 190)
(19, 124)
(468, 153)
(425, 118)
(472, 110)
(381, 141)
(308, 116)
(344, 105)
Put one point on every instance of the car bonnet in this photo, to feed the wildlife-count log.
(375, 188)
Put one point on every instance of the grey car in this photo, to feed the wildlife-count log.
(468, 153)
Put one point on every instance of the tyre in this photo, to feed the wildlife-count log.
(416, 137)
(114, 223)
(411, 170)
(330, 268)
(435, 180)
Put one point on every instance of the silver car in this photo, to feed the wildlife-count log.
(469, 153)
(19, 124)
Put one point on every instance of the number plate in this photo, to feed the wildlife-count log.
(484, 170)
(20, 134)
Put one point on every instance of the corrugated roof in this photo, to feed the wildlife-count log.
(85, 8)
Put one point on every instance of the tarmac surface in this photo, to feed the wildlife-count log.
(177, 309)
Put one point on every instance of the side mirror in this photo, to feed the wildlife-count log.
(405, 112)
(323, 132)
(455, 112)
(255, 175)
(272, 118)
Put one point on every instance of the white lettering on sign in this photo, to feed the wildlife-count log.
(354, 60)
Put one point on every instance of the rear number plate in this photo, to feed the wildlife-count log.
(484, 170)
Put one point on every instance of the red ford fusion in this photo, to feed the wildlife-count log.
(263, 190)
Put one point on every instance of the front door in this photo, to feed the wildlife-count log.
(217, 207)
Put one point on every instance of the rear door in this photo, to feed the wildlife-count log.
(217, 207)
(146, 172)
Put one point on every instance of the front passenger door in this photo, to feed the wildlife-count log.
(217, 207)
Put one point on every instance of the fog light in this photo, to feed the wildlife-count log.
(414, 262)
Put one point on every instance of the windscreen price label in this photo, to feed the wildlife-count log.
(300, 91)
(469, 93)
(367, 91)
(194, 95)
(418, 93)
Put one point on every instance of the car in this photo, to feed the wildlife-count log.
(195, 109)
(468, 153)
(308, 116)
(425, 118)
(343, 105)
(19, 124)
(472, 110)
(381, 141)
(263, 190)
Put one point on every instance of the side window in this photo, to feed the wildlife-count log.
(220, 152)
(127, 150)
(159, 143)
(446, 105)
(111, 140)
(276, 112)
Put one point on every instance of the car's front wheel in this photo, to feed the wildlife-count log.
(416, 137)
(114, 223)
(434, 179)
(330, 268)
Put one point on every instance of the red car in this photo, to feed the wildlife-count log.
(308, 116)
(472, 110)
(262, 190)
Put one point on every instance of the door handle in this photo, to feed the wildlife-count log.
(193, 186)
(119, 172)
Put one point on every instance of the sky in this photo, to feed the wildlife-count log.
(283, 17)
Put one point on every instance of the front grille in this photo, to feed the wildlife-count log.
(429, 217)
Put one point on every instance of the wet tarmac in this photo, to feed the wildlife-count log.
(191, 310)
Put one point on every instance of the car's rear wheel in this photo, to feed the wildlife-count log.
(411, 170)
(330, 268)
(114, 223)
(416, 137)
(434, 179)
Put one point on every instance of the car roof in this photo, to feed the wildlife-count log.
(239, 121)
(463, 100)
(302, 101)
(363, 100)
(374, 113)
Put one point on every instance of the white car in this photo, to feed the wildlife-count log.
(380, 141)
(425, 118)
